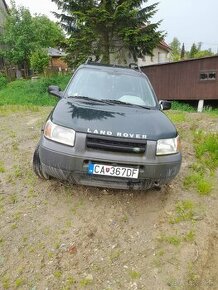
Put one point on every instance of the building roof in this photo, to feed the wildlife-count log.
(164, 46)
(55, 52)
(183, 61)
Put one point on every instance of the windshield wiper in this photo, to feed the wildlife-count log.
(86, 98)
(108, 101)
(117, 102)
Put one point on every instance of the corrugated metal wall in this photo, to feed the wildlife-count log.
(181, 80)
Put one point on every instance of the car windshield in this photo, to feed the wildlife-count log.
(111, 85)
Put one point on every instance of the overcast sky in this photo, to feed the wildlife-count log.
(189, 20)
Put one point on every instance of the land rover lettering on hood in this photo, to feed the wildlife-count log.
(118, 134)
(108, 130)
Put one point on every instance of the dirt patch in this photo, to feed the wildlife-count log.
(57, 236)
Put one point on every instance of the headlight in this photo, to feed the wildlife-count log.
(167, 146)
(59, 134)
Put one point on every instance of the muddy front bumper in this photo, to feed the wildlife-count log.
(71, 163)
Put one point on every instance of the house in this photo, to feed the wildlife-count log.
(3, 14)
(161, 54)
(193, 79)
(57, 62)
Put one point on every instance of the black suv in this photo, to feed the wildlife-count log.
(108, 130)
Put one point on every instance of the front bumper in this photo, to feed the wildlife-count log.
(71, 163)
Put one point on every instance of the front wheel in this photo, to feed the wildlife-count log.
(37, 168)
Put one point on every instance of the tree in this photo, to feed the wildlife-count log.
(39, 60)
(194, 50)
(179, 53)
(175, 45)
(23, 34)
(183, 51)
(17, 36)
(47, 32)
(204, 53)
(104, 27)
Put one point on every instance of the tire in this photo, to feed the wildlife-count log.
(37, 168)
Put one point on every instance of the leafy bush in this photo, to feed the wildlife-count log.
(39, 60)
(3, 81)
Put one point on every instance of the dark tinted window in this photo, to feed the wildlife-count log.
(212, 76)
(204, 76)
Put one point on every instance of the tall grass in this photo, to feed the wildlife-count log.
(186, 107)
(206, 148)
(27, 92)
(202, 174)
(211, 112)
(181, 106)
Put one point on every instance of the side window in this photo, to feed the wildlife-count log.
(203, 76)
(212, 76)
(208, 76)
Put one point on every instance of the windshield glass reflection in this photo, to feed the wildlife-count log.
(110, 85)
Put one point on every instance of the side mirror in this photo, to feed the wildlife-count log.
(55, 91)
(165, 105)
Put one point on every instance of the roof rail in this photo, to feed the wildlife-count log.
(89, 59)
(135, 66)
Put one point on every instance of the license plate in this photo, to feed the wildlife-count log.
(117, 171)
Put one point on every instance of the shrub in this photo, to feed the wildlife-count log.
(39, 60)
(3, 81)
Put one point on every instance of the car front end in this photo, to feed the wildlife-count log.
(119, 139)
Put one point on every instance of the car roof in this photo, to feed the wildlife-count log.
(115, 68)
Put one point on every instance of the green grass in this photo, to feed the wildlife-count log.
(211, 111)
(6, 110)
(134, 275)
(206, 148)
(176, 239)
(6, 282)
(86, 281)
(201, 176)
(199, 182)
(190, 236)
(69, 283)
(184, 212)
(31, 93)
(193, 278)
(172, 240)
(2, 167)
(176, 117)
(3, 81)
(57, 274)
(180, 106)
(19, 282)
(185, 107)
(204, 187)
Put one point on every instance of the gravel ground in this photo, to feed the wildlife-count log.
(57, 236)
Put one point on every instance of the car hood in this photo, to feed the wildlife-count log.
(113, 120)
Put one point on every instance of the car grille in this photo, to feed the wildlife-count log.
(115, 144)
